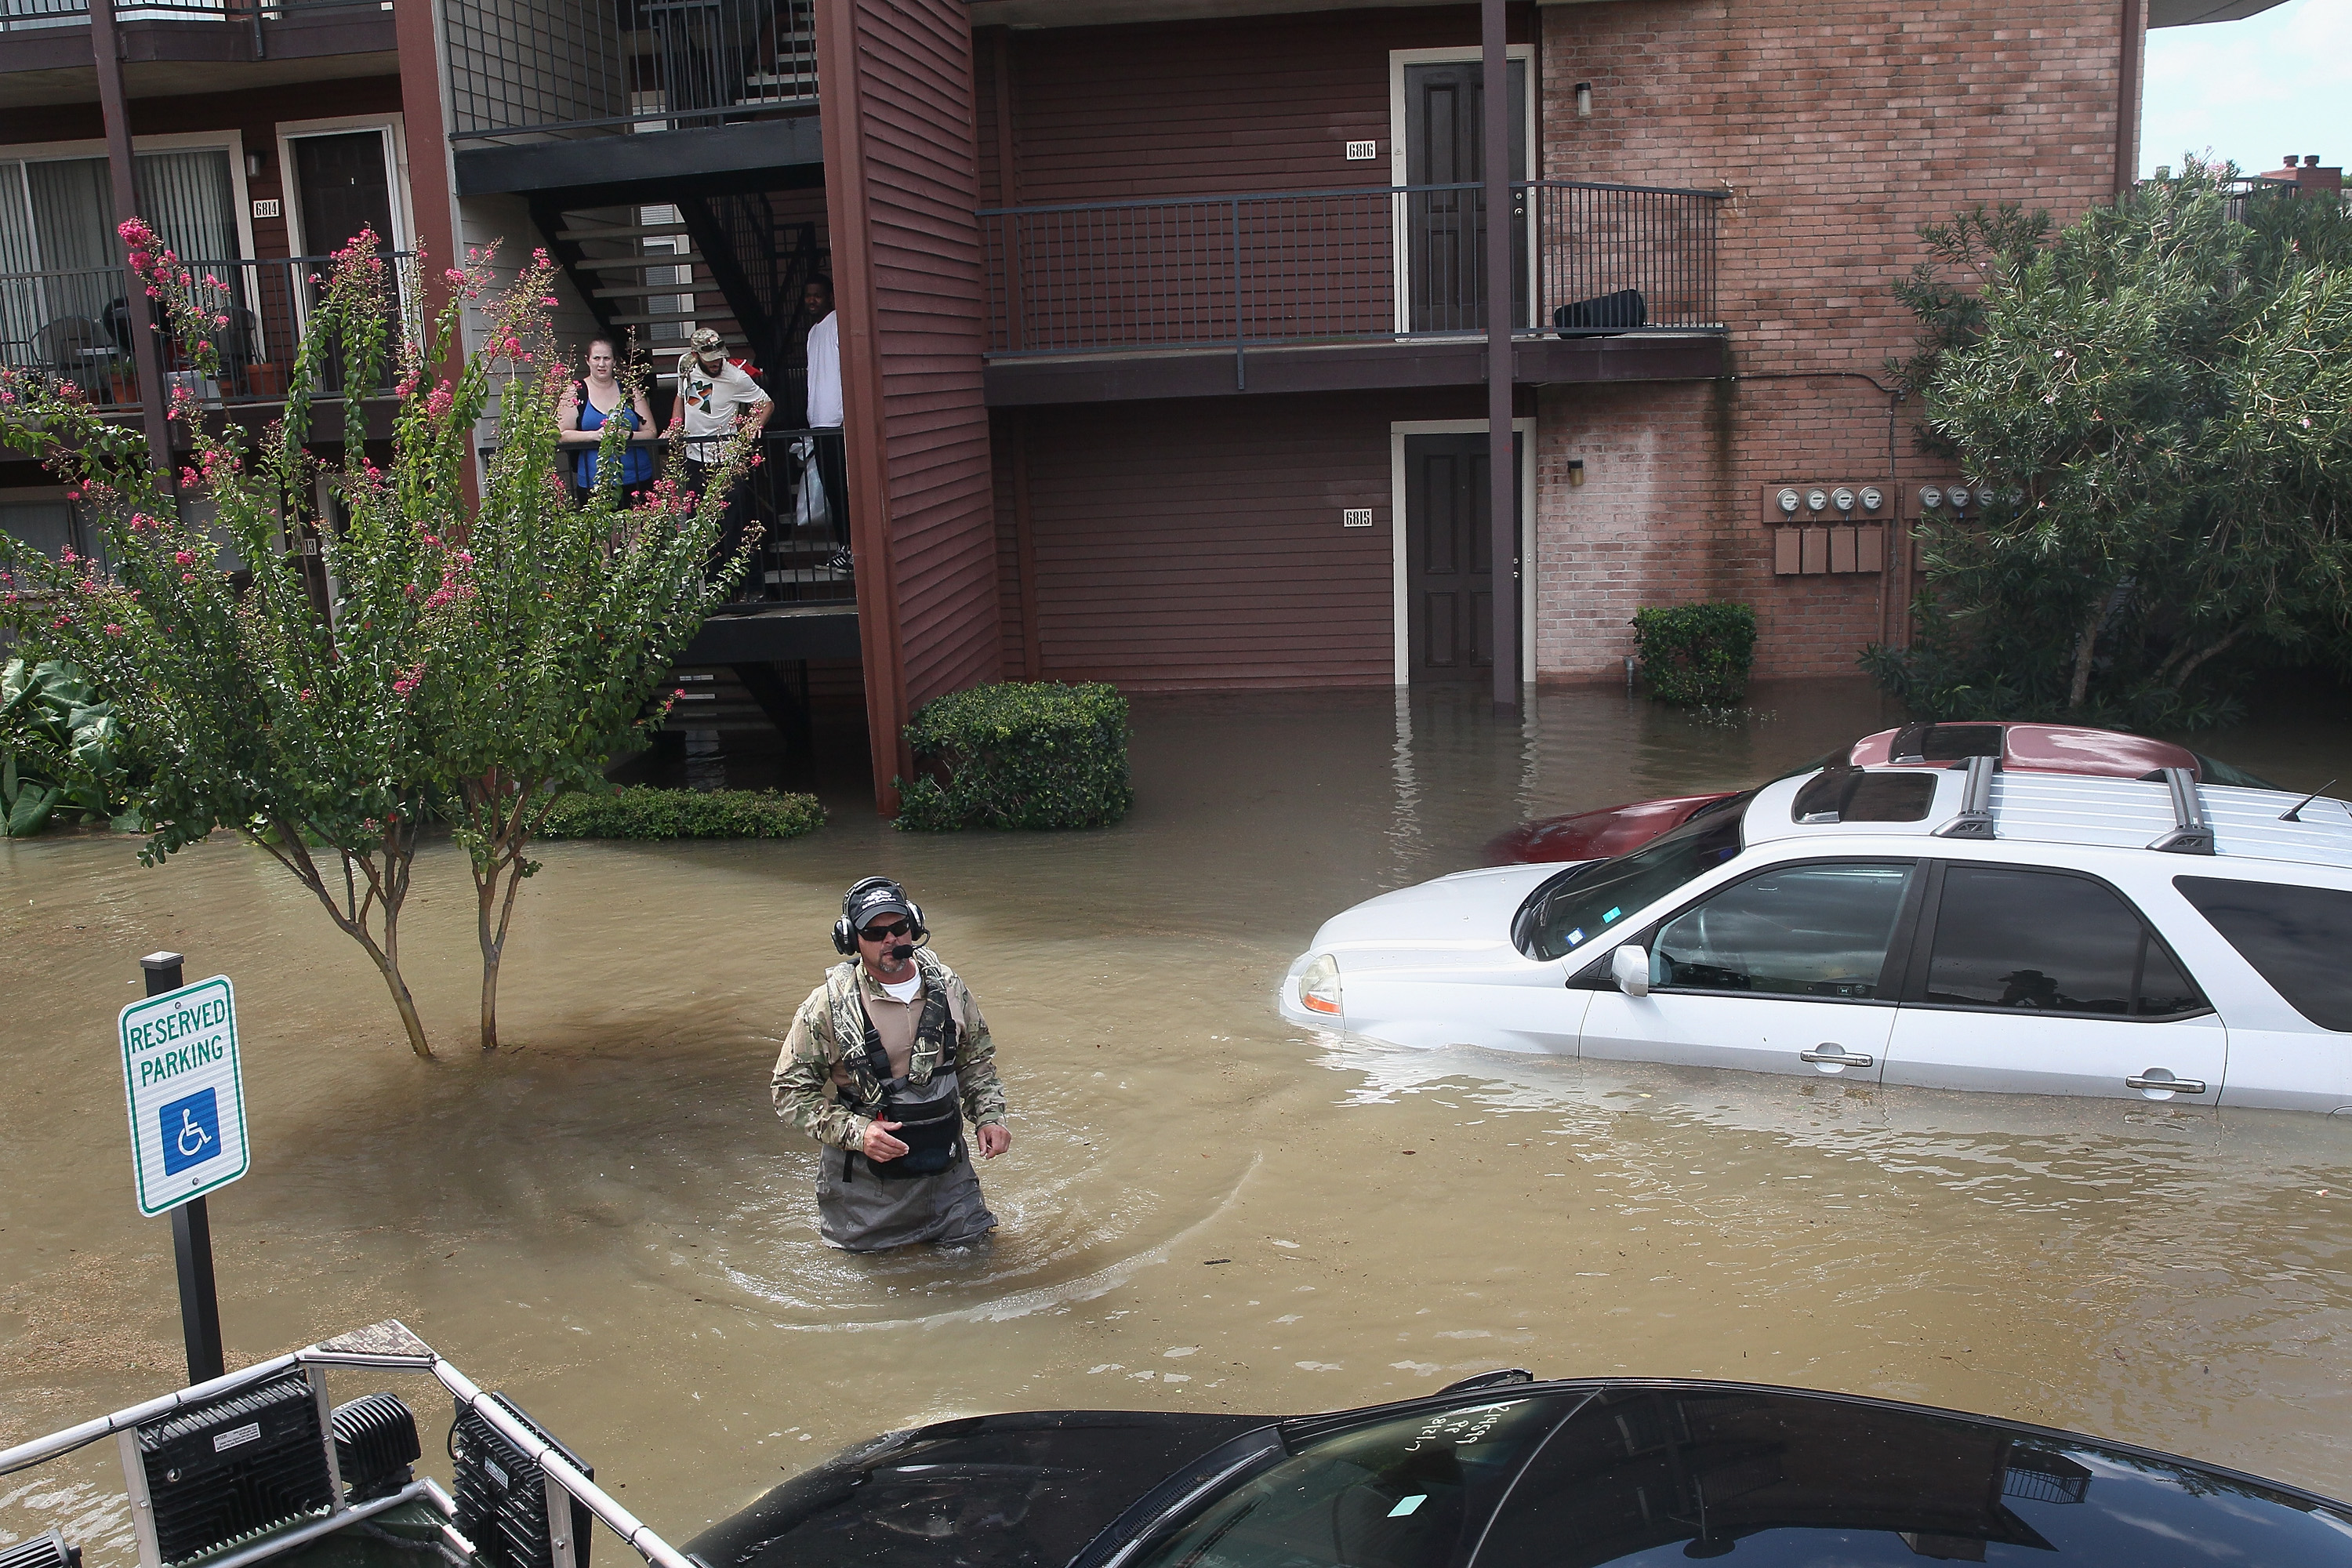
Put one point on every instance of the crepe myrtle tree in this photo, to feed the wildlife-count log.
(2160, 399)
(251, 711)
(327, 740)
(550, 639)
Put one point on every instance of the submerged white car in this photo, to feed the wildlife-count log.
(1945, 926)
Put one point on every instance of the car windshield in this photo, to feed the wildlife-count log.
(2214, 771)
(1585, 901)
(1408, 1492)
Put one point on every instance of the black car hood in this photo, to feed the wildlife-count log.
(992, 1491)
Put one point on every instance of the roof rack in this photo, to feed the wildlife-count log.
(1975, 820)
(2191, 834)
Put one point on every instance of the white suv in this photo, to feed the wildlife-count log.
(1954, 926)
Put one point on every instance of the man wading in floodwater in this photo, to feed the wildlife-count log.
(900, 1041)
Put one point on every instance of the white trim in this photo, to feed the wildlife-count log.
(1401, 611)
(1401, 250)
(393, 128)
(232, 141)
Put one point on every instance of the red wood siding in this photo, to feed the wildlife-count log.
(901, 186)
(1198, 545)
(1263, 103)
(255, 116)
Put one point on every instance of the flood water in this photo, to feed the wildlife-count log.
(1203, 1209)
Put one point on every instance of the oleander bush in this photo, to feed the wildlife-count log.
(643, 812)
(1019, 754)
(1696, 655)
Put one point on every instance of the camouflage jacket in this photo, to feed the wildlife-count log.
(826, 1045)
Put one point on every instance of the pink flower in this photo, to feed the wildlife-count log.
(550, 300)
(187, 576)
(112, 630)
(183, 558)
(304, 694)
(61, 623)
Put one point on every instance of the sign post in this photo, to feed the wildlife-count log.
(186, 1098)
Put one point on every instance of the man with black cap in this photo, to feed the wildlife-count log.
(713, 394)
(899, 1041)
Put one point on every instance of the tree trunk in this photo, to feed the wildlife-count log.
(500, 856)
(486, 893)
(2079, 689)
(353, 922)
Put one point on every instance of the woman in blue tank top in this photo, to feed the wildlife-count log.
(600, 397)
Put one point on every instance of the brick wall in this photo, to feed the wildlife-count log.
(1839, 127)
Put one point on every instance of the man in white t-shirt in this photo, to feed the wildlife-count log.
(712, 392)
(824, 414)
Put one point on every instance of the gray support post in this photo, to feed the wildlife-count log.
(192, 1231)
(1502, 488)
(106, 52)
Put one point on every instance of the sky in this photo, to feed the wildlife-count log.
(2250, 91)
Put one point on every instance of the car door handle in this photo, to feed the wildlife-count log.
(2176, 1085)
(1826, 1052)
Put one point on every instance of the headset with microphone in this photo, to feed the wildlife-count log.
(845, 934)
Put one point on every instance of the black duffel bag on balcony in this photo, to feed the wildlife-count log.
(1602, 315)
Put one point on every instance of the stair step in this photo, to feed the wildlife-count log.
(706, 317)
(626, 263)
(655, 290)
(623, 231)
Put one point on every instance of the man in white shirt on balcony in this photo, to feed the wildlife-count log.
(712, 392)
(831, 460)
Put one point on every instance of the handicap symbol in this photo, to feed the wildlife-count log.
(191, 1131)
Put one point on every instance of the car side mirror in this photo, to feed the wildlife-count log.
(1630, 967)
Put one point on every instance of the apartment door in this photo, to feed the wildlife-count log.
(1449, 557)
(343, 184)
(1445, 232)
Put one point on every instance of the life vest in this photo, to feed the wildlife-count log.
(925, 1101)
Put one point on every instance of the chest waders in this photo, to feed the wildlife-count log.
(930, 1115)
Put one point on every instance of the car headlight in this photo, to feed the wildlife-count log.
(1318, 986)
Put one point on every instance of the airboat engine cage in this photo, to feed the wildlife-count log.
(387, 1346)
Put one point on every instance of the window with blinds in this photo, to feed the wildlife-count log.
(59, 255)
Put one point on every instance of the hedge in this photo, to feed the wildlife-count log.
(1696, 655)
(642, 811)
(1019, 754)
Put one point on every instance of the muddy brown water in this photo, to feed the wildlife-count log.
(1203, 1209)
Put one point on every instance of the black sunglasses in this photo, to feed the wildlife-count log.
(884, 933)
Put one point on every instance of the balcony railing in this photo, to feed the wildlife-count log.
(577, 67)
(34, 16)
(1337, 266)
(73, 326)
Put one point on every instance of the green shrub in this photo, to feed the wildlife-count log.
(1020, 754)
(63, 755)
(1697, 655)
(642, 812)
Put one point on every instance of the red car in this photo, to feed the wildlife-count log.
(2031, 748)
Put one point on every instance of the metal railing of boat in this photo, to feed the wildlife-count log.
(388, 1346)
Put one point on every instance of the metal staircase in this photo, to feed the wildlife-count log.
(729, 262)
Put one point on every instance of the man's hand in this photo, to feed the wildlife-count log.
(994, 1139)
(877, 1144)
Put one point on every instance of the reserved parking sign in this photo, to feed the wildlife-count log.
(186, 1096)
